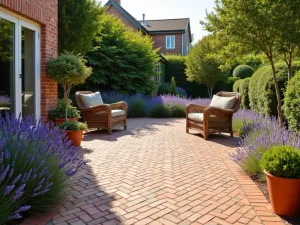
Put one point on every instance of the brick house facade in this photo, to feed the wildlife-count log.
(160, 30)
(43, 15)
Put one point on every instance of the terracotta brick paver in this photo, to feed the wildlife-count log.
(155, 173)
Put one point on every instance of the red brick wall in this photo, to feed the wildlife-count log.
(43, 12)
(113, 11)
(160, 42)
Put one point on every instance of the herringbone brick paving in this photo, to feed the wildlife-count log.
(155, 173)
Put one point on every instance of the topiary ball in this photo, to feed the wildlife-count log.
(243, 71)
(282, 161)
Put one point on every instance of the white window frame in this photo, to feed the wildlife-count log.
(20, 22)
(170, 47)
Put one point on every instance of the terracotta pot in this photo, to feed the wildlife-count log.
(284, 195)
(62, 120)
(75, 136)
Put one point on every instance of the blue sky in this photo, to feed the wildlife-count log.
(168, 9)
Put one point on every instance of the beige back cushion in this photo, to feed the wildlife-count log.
(91, 99)
(223, 102)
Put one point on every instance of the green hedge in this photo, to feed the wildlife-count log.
(176, 68)
(236, 86)
(262, 93)
(292, 103)
(244, 91)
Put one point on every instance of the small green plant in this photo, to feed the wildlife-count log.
(69, 125)
(282, 161)
(59, 111)
(173, 90)
(177, 111)
(160, 111)
(137, 109)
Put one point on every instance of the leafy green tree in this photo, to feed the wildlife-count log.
(244, 26)
(288, 27)
(78, 24)
(124, 60)
(201, 67)
(173, 87)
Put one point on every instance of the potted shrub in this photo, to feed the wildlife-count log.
(74, 131)
(68, 70)
(281, 164)
(57, 115)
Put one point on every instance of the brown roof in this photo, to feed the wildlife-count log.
(167, 25)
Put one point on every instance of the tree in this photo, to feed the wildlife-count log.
(68, 70)
(201, 67)
(247, 26)
(123, 60)
(288, 42)
(78, 24)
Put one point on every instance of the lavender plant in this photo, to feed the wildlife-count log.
(169, 101)
(260, 133)
(35, 166)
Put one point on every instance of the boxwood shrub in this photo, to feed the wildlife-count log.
(282, 161)
(236, 86)
(244, 91)
(262, 95)
(243, 71)
(292, 103)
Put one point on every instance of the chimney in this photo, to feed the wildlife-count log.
(118, 1)
(144, 23)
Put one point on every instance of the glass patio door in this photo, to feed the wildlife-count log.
(19, 66)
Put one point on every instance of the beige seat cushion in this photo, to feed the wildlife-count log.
(223, 102)
(117, 112)
(92, 99)
(196, 116)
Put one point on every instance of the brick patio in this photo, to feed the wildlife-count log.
(155, 173)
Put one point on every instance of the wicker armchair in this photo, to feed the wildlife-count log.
(209, 120)
(104, 115)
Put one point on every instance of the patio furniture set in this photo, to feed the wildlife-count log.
(215, 118)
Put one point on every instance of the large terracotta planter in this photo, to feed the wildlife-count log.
(62, 120)
(284, 194)
(75, 136)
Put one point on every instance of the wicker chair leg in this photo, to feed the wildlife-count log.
(109, 131)
(187, 127)
(231, 134)
(205, 136)
(125, 124)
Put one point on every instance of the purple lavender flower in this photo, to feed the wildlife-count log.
(23, 209)
(8, 189)
(15, 216)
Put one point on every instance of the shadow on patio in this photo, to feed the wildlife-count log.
(140, 127)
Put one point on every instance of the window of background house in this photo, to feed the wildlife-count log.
(170, 42)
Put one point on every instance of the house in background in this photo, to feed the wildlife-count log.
(171, 36)
(28, 38)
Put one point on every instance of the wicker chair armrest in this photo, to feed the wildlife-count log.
(98, 108)
(194, 108)
(217, 112)
(119, 105)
